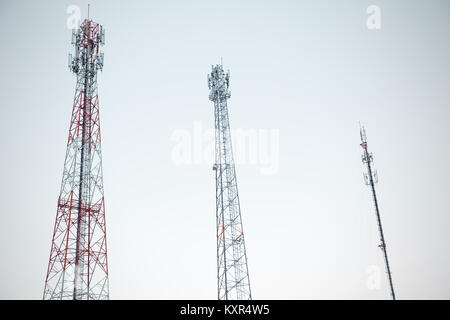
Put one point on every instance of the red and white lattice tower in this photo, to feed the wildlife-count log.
(78, 264)
(233, 281)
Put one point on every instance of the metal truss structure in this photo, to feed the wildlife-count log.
(232, 271)
(370, 178)
(78, 264)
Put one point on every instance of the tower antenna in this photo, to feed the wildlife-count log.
(78, 263)
(370, 178)
(232, 270)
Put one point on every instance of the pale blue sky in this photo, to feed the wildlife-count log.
(310, 69)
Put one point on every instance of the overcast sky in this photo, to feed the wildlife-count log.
(303, 71)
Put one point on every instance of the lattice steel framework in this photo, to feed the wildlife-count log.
(370, 178)
(232, 271)
(78, 264)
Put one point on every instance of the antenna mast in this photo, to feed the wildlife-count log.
(78, 264)
(370, 178)
(232, 271)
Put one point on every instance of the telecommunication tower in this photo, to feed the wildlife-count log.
(78, 264)
(232, 271)
(370, 178)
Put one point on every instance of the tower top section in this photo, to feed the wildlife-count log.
(218, 83)
(362, 133)
(87, 40)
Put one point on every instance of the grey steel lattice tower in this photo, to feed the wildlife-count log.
(370, 178)
(232, 271)
(78, 264)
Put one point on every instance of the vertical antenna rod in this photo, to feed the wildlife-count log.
(371, 177)
(78, 264)
(232, 271)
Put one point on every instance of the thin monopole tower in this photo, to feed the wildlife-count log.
(370, 178)
(78, 264)
(232, 271)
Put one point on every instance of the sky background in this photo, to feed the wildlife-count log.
(309, 69)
